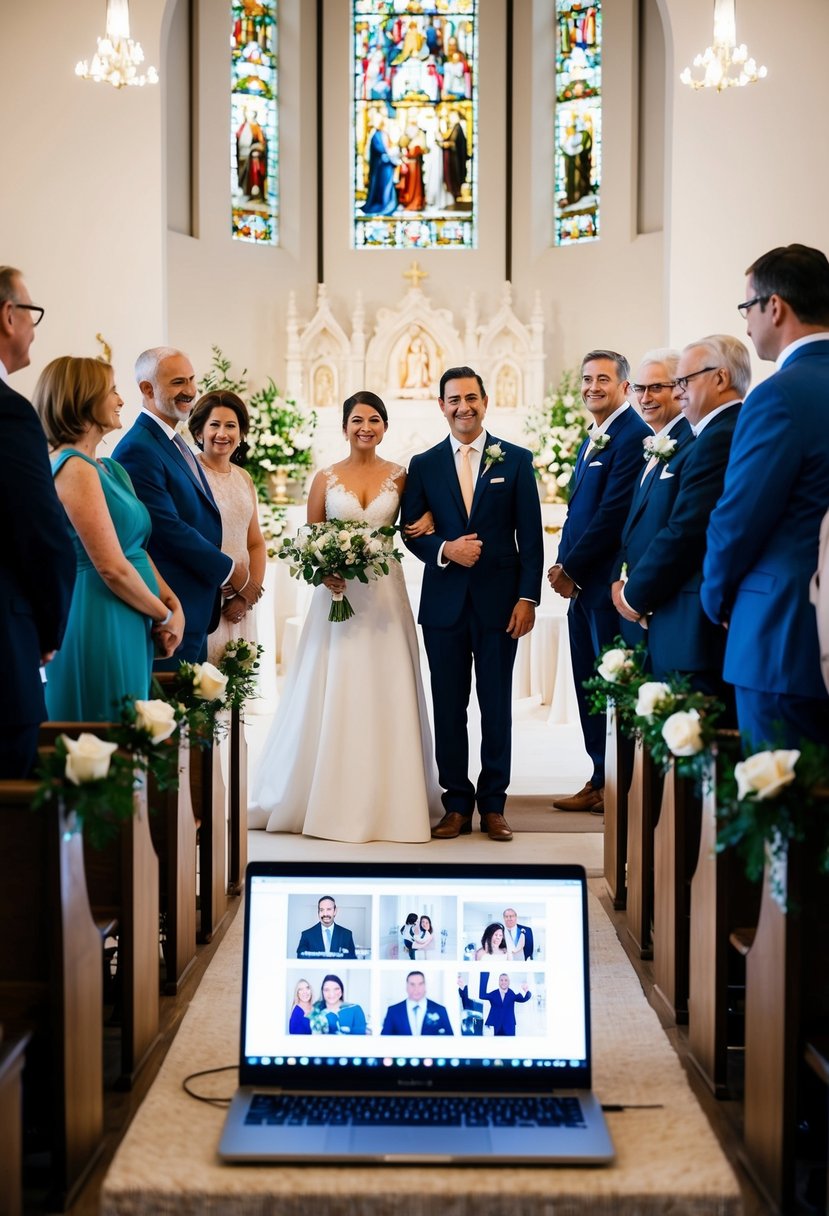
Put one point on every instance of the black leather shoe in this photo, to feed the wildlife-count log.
(451, 825)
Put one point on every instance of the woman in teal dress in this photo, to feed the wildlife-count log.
(121, 605)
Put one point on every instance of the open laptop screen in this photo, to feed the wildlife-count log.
(411, 976)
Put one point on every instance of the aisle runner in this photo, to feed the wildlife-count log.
(668, 1160)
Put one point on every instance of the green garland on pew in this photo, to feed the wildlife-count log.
(201, 693)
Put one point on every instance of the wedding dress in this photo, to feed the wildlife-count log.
(349, 754)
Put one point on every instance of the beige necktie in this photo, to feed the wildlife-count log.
(465, 476)
(649, 467)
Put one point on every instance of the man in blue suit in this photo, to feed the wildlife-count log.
(601, 489)
(481, 584)
(37, 561)
(664, 545)
(326, 939)
(502, 1002)
(515, 931)
(186, 540)
(417, 1014)
(763, 534)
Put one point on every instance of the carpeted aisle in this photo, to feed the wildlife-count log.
(668, 1160)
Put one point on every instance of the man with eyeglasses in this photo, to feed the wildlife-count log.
(654, 390)
(662, 587)
(601, 488)
(763, 534)
(37, 562)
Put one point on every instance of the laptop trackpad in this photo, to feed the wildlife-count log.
(418, 1142)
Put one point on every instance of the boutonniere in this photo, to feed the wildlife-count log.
(600, 442)
(433, 1017)
(660, 446)
(494, 455)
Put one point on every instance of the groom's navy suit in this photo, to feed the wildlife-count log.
(464, 611)
(601, 489)
(312, 943)
(187, 531)
(762, 551)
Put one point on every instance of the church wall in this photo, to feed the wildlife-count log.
(82, 204)
(747, 166)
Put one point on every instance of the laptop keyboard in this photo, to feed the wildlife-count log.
(356, 1110)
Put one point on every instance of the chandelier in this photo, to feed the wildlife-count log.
(725, 64)
(118, 58)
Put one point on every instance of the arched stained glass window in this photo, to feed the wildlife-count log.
(254, 149)
(415, 135)
(578, 121)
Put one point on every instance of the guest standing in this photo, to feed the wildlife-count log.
(120, 601)
(37, 565)
(219, 424)
(303, 1004)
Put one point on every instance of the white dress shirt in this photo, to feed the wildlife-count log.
(796, 345)
(602, 430)
(4, 375)
(703, 422)
(416, 1023)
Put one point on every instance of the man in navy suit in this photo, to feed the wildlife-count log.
(481, 584)
(37, 561)
(763, 534)
(417, 1014)
(601, 489)
(502, 1002)
(664, 546)
(186, 540)
(326, 939)
(514, 932)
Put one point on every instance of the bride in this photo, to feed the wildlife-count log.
(349, 754)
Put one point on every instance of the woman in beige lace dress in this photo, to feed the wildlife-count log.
(219, 423)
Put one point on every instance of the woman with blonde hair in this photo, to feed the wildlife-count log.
(301, 1007)
(120, 603)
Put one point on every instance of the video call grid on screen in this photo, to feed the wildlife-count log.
(549, 1027)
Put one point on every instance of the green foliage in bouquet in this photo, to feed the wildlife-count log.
(677, 725)
(273, 520)
(556, 431)
(344, 548)
(203, 692)
(619, 672)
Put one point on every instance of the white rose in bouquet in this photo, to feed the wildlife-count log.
(157, 718)
(613, 663)
(88, 758)
(765, 773)
(208, 682)
(652, 694)
(683, 733)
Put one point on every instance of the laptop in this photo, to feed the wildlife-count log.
(376, 1027)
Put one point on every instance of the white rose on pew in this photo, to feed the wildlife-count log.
(157, 718)
(765, 773)
(613, 663)
(208, 682)
(652, 694)
(682, 733)
(88, 758)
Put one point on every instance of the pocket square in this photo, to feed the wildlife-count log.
(497, 480)
(666, 472)
(595, 464)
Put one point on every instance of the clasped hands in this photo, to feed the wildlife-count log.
(624, 609)
(241, 592)
(561, 582)
(168, 636)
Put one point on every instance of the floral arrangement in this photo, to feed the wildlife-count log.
(318, 1020)
(556, 432)
(273, 519)
(202, 691)
(336, 547)
(281, 433)
(619, 672)
(494, 455)
(660, 446)
(240, 665)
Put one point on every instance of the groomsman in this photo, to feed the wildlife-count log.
(654, 389)
(666, 545)
(601, 489)
(502, 1002)
(763, 534)
(481, 584)
(37, 562)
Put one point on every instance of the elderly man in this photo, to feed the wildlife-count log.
(665, 572)
(601, 489)
(37, 562)
(654, 389)
(763, 535)
(186, 538)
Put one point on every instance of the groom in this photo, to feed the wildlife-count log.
(481, 584)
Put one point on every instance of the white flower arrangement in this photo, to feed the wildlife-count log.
(494, 455)
(556, 431)
(599, 442)
(683, 733)
(344, 548)
(660, 446)
(765, 774)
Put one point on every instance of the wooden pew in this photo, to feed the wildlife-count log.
(721, 898)
(122, 881)
(173, 830)
(642, 802)
(787, 998)
(207, 789)
(237, 803)
(51, 981)
(675, 851)
(12, 1059)
(616, 784)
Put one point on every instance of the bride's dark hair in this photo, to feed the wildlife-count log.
(364, 397)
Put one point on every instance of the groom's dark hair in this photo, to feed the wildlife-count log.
(460, 373)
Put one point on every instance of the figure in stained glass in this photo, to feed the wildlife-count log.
(577, 121)
(253, 121)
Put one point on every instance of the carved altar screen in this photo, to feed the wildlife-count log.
(415, 107)
(578, 121)
(254, 150)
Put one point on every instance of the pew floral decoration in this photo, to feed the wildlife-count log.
(677, 725)
(240, 664)
(94, 781)
(202, 692)
(619, 674)
(767, 801)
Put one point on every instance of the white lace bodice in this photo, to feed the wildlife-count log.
(341, 503)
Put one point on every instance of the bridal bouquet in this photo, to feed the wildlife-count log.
(338, 547)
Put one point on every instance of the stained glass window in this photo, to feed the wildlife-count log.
(578, 121)
(415, 123)
(254, 150)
